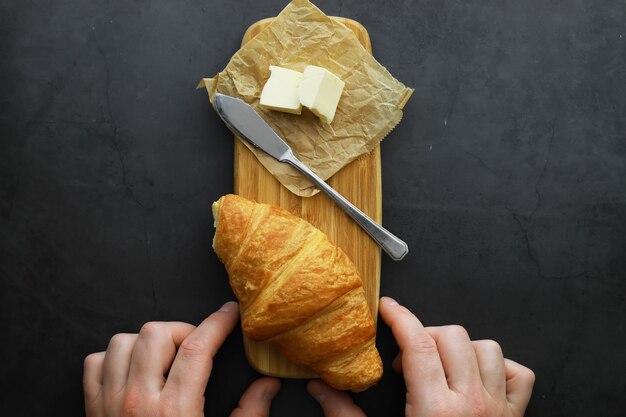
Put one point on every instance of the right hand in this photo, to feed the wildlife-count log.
(446, 374)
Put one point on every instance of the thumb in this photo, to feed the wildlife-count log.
(519, 386)
(257, 399)
(189, 374)
(334, 403)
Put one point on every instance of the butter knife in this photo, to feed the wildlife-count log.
(246, 123)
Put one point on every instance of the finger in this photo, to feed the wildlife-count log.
(491, 367)
(117, 362)
(191, 368)
(397, 363)
(154, 352)
(92, 377)
(257, 399)
(334, 403)
(421, 365)
(457, 356)
(519, 386)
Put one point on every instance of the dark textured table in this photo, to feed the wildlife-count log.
(507, 178)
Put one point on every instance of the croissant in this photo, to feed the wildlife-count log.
(297, 291)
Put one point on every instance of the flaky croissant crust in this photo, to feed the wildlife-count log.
(297, 291)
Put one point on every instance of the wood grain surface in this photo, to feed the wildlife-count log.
(359, 182)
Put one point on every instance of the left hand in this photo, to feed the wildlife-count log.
(164, 370)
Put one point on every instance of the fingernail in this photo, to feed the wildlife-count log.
(229, 306)
(320, 398)
(389, 301)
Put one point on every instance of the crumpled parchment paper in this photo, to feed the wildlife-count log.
(369, 108)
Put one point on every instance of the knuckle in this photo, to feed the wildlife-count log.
(527, 375)
(491, 346)
(91, 360)
(422, 343)
(456, 331)
(120, 339)
(150, 328)
(192, 348)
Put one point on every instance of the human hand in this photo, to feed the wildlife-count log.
(447, 374)
(164, 370)
(334, 403)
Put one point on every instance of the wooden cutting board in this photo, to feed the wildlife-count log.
(359, 182)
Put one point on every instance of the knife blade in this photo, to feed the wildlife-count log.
(245, 122)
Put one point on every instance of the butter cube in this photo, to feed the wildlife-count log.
(279, 92)
(320, 90)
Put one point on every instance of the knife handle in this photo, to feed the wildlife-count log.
(390, 243)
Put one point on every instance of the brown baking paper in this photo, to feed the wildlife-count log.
(369, 108)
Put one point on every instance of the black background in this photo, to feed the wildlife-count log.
(507, 178)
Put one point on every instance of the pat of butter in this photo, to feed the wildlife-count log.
(320, 90)
(279, 92)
